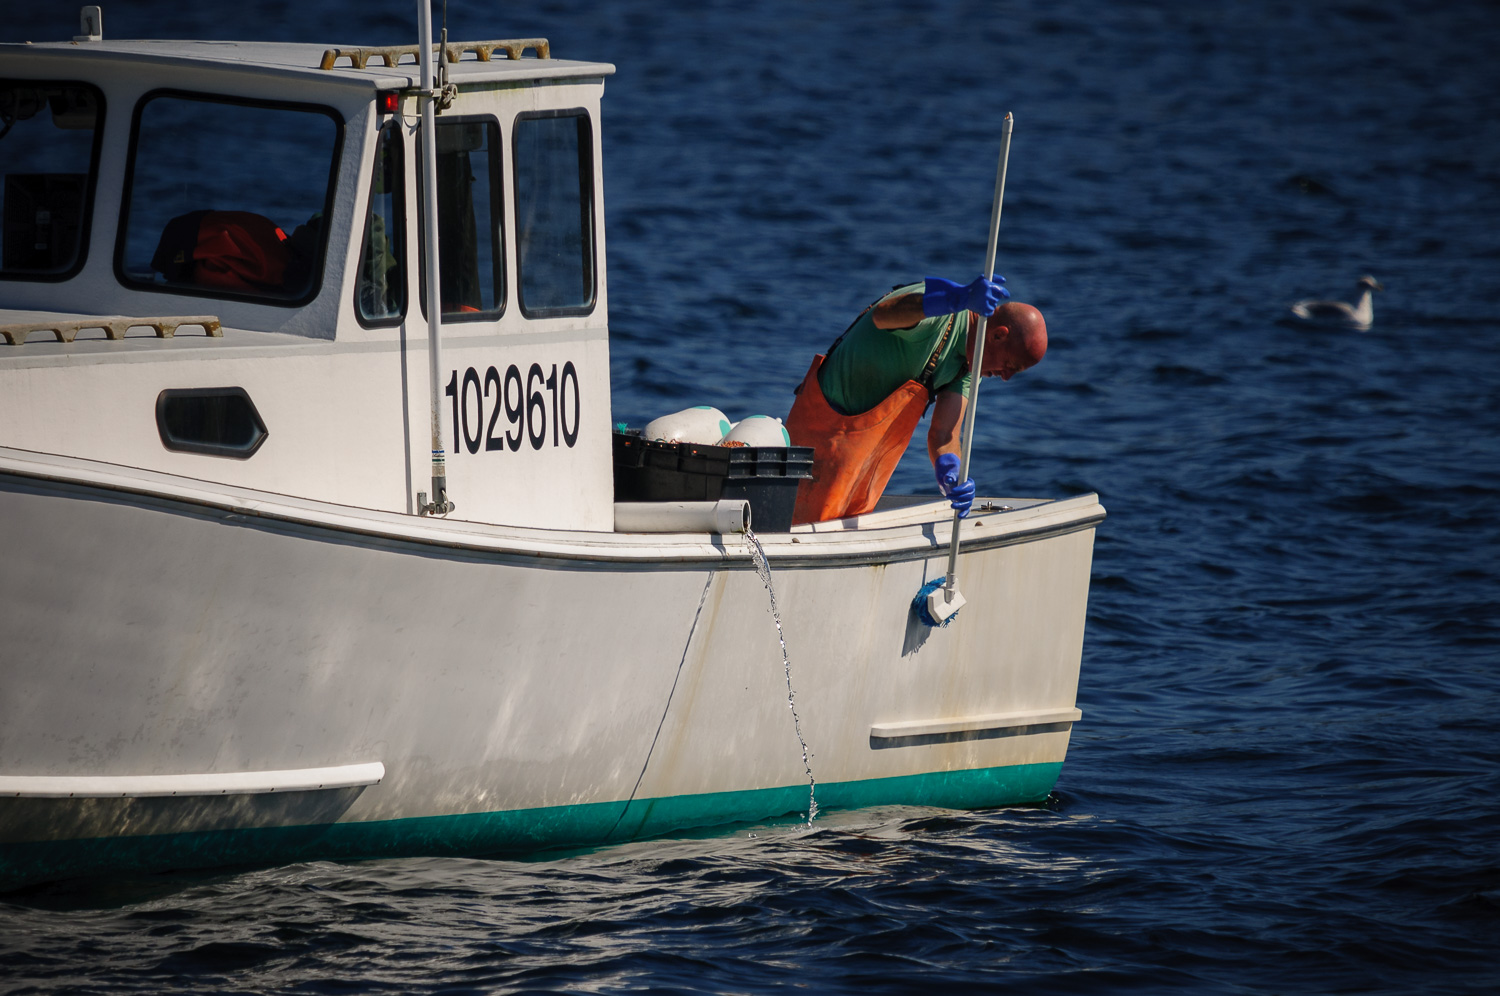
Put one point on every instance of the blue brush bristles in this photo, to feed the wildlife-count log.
(920, 603)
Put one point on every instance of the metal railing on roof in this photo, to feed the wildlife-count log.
(114, 328)
(392, 55)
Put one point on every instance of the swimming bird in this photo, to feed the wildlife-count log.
(1340, 314)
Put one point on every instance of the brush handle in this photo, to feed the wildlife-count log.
(977, 324)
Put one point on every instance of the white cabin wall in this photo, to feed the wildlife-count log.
(555, 486)
(551, 486)
(333, 414)
(333, 417)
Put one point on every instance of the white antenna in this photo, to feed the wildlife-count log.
(440, 505)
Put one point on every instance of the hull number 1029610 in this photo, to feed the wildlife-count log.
(540, 408)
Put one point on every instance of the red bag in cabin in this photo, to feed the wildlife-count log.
(235, 250)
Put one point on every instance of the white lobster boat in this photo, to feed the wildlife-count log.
(228, 632)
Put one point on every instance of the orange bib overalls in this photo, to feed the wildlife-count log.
(854, 455)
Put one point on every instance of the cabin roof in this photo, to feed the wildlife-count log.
(303, 61)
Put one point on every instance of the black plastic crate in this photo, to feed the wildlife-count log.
(765, 476)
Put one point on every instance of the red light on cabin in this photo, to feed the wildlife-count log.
(389, 102)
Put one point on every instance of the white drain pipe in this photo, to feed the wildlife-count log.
(724, 516)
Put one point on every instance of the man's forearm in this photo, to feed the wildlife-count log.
(898, 312)
(944, 435)
(936, 448)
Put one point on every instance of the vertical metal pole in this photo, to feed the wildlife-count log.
(978, 321)
(440, 505)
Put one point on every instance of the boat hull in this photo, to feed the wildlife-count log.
(513, 693)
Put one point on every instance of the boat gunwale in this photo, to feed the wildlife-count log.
(912, 534)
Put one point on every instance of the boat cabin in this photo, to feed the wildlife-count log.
(211, 269)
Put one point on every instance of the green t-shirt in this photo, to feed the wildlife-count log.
(871, 362)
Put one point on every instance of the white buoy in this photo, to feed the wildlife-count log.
(758, 430)
(703, 424)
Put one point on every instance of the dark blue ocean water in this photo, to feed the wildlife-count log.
(1287, 779)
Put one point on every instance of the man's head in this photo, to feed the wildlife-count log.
(1015, 340)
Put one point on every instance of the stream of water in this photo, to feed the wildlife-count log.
(763, 569)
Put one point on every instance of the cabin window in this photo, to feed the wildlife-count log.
(227, 198)
(220, 421)
(471, 240)
(554, 164)
(49, 154)
(380, 295)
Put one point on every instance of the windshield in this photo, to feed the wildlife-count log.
(48, 154)
(226, 198)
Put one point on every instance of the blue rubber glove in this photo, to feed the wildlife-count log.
(960, 496)
(944, 297)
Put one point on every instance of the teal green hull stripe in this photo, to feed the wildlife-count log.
(512, 831)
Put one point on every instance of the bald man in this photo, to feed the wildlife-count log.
(858, 406)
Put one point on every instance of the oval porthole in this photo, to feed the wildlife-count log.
(220, 421)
